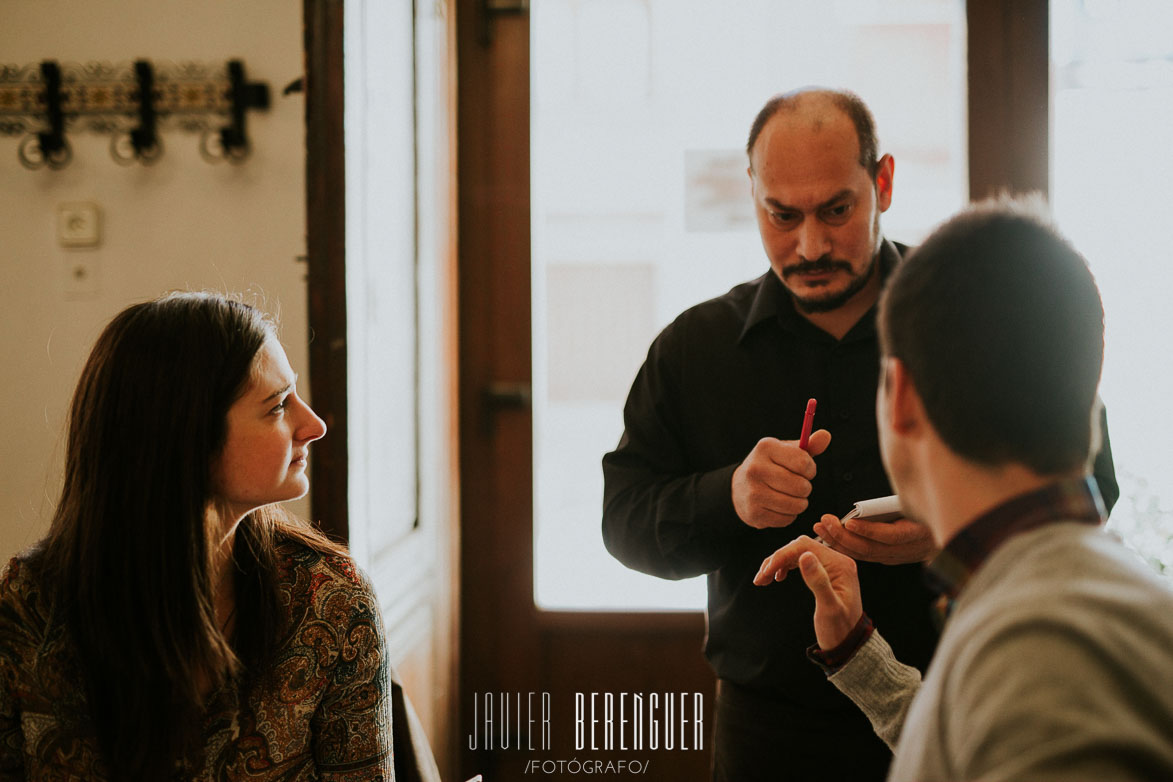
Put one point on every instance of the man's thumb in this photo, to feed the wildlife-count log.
(818, 443)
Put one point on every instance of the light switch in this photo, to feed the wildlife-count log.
(79, 224)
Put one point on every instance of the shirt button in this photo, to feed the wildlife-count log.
(848, 477)
(844, 415)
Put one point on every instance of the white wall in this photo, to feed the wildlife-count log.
(182, 223)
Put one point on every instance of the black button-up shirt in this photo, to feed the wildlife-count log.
(723, 375)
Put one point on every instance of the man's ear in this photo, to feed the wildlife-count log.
(903, 408)
(885, 171)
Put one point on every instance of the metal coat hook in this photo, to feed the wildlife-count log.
(134, 105)
(233, 139)
(48, 147)
(142, 143)
(145, 139)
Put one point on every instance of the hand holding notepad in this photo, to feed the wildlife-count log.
(878, 509)
(876, 530)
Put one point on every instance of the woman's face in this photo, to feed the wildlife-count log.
(267, 444)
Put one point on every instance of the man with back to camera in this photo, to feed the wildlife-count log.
(699, 485)
(1056, 658)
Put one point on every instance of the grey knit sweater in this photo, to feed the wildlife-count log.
(1056, 664)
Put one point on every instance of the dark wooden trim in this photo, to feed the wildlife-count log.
(326, 257)
(448, 680)
(1009, 96)
(499, 641)
(657, 622)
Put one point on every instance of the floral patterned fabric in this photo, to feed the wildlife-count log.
(325, 714)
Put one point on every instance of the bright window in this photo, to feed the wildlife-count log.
(1112, 160)
(641, 207)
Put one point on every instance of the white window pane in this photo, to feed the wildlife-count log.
(641, 207)
(1113, 110)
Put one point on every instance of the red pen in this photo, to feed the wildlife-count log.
(808, 421)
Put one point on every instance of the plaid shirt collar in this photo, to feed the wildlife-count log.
(1064, 501)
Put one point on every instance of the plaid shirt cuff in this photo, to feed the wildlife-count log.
(831, 660)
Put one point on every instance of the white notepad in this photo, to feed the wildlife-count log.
(879, 509)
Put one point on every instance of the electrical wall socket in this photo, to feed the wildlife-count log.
(79, 224)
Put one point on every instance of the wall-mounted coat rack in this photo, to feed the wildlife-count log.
(131, 103)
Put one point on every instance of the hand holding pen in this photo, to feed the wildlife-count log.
(808, 420)
(771, 486)
(892, 542)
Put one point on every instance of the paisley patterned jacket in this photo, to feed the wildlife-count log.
(324, 715)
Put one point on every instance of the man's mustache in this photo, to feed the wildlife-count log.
(817, 266)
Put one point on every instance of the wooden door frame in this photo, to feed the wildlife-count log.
(508, 644)
(1007, 90)
(492, 219)
(428, 671)
(326, 258)
(1008, 87)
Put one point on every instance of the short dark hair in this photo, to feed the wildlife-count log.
(844, 100)
(999, 323)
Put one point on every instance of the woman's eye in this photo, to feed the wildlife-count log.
(280, 407)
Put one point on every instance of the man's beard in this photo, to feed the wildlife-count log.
(833, 302)
(826, 264)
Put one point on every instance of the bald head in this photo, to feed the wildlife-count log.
(816, 108)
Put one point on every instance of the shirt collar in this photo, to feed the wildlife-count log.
(772, 300)
(1073, 500)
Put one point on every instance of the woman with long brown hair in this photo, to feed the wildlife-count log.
(176, 622)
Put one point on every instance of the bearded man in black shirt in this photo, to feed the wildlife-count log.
(708, 477)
